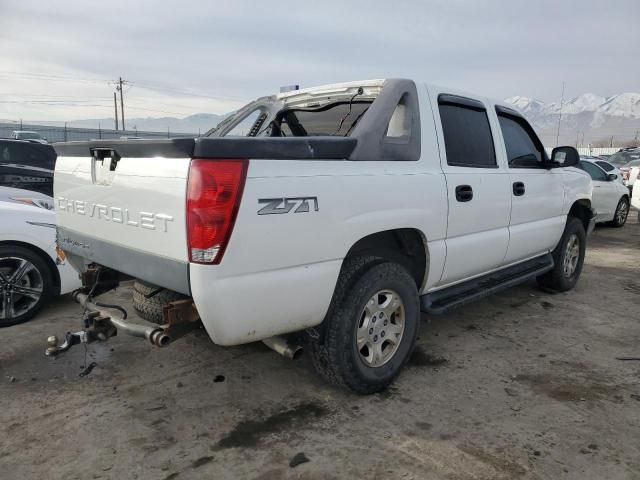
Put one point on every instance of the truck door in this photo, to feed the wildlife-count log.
(537, 192)
(478, 189)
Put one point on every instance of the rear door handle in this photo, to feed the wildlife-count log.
(464, 193)
(518, 189)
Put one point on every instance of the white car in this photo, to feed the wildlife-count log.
(610, 197)
(606, 166)
(32, 268)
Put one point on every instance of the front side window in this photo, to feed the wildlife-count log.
(467, 136)
(597, 174)
(523, 149)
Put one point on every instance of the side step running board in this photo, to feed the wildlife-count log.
(442, 300)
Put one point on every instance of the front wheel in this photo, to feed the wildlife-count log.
(371, 328)
(568, 257)
(622, 212)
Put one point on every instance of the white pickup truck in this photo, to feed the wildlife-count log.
(338, 212)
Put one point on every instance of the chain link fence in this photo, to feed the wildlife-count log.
(69, 134)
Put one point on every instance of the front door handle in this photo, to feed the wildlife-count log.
(518, 189)
(464, 193)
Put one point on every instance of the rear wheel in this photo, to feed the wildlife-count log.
(371, 326)
(622, 212)
(26, 284)
(568, 257)
(149, 300)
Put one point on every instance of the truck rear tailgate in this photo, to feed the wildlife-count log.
(124, 210)
(123, 204)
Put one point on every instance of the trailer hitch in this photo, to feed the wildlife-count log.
(180, 317)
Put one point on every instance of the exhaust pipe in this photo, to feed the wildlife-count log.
(283, 347)
(155, 334)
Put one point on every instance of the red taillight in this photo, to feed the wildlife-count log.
(625, 173)
(214, 190)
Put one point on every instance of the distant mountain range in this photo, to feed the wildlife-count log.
(199, 122)
(586, 119)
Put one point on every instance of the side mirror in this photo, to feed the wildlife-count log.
(565, 157)
(611, 177)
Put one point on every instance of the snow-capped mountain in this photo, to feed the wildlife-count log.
(587, 116)
(621, 105)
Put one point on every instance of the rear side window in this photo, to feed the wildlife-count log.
(523, 148)
(467, 134)
(607, 167)
(338, 119)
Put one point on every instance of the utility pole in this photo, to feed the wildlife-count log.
(119, 87)
(560, 116)
(115, 107)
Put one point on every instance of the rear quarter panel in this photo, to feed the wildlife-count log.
(279, 270)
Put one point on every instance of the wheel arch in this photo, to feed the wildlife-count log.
(407, 246)
(581, 209)
(55, 274)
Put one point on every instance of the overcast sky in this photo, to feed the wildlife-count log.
(182, 57)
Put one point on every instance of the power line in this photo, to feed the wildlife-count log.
(51, 77)
(188, 92)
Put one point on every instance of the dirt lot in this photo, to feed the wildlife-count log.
(521, 385)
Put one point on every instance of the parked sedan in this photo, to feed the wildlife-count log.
(603, 164)
(610, 198)
(32, 269)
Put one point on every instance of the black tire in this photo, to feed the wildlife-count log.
(558, 279)
(40, 277)
(149, 299)
(621, 214)
(337, 358)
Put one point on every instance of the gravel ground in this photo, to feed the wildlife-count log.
(521, 385)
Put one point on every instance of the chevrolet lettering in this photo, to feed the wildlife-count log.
(148, 220)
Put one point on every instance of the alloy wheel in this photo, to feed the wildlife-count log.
(380, 328)
(21, 287)
(571, 255)
(622, 212)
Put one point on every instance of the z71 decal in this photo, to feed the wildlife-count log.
(285, 205)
